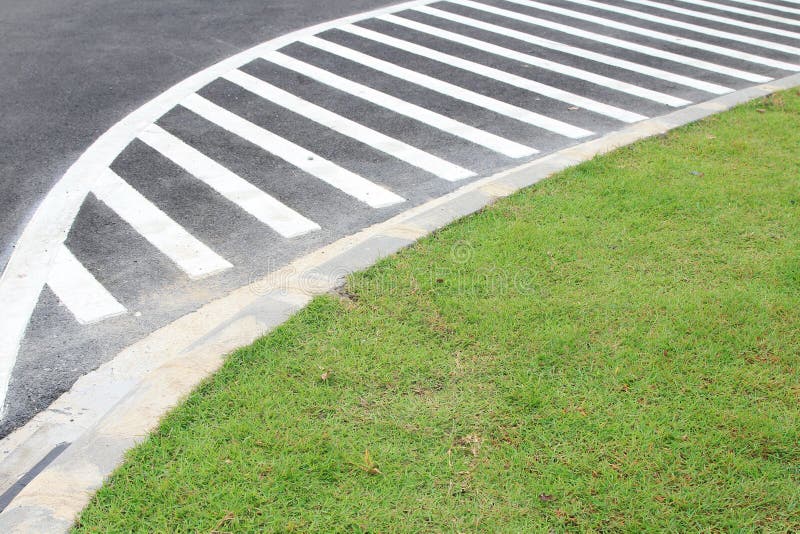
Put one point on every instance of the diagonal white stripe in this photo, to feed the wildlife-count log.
(767, 5)
(350, 183)
(726, 20)
(690, 43)
(567, 70)
(253, 200)
(580, 52)
(419, 158)
(191, 255)
(449, 89)
(397, 105)
(501, 76)
(80, 291)
(619, 43)
(705, 30)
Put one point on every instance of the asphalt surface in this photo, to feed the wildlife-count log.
(73, 69)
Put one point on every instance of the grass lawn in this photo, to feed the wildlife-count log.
(617, 348)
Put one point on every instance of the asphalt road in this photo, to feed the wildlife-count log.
(426, 117)
(71, 69)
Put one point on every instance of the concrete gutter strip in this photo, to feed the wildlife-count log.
(110, 410)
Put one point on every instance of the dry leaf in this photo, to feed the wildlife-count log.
(227, 518)
(369, 466)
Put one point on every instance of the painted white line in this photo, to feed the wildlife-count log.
(253, 200)
(188, 253)
(449, 89)
(29, 265)
(726, 20)
(675, 39)
(79, 291)
(495, 74)
(619, 43)
(704, 30)
(397, 105)
(573, 72)
(402, 151)
(579, 52)
(350, 183)
(774, 7)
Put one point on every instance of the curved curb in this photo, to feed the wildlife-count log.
(113, 408)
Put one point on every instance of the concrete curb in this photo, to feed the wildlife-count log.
(87, 431)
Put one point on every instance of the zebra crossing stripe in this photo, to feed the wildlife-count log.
(619, 43)
(495, 74)
(691, 43)
(350, 183)
(191, 255)
(774, 7)
(397, 105)
(724, 20)
(705, 30)
(248, 197)
(79, 291)
(449, 89)
(573, 72)
(419, 158)
(579, 52)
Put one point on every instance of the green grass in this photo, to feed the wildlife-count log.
(614, 349)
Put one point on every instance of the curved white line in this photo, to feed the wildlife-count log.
(29, 265)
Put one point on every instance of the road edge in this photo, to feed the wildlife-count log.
(110, 410)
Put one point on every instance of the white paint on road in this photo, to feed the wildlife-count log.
(724, 20)
(448, 89)
(750, 12)
(79, 290)
(33, 258)
(613, 41)
(440, 122)
(253, 200)
(495, 74)
(402, 151)
(580, 74)
(305, 160)
(670, 38)
(187, 252)
(703, 30)
(578, 52)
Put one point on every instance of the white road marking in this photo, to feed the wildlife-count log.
(726, 20)
(705, 30)
(579, 52)
(495, 74)
(29, 265)
(619, 43)
(79, 291)
(449, 89)
(402, 151)
(187, 252)
(253, 200)
(350, 183)
(774, 7)
(691, 43)
(397, 105)
(573, 72)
